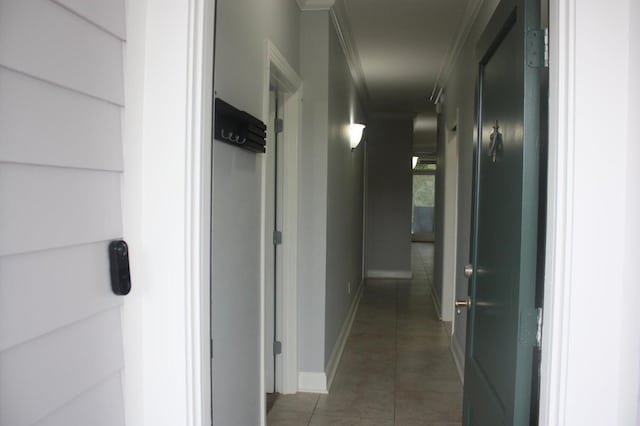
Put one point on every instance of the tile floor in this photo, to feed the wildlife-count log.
(396, 369)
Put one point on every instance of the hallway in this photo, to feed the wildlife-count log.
(396, 368)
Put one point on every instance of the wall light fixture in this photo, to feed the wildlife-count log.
(356, 131)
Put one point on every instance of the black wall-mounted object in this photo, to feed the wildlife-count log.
(119, 266)
(239, 128)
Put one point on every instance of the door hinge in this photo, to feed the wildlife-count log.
(538, 48)
(539, 328)
(278, 125)
(277, 347)
(277, 238)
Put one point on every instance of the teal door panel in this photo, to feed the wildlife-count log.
(502, 317)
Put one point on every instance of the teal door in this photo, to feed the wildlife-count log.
(501, 328)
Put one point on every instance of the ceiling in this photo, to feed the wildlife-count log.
(401, 53)
(402, 46)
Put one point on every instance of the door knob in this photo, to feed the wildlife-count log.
(468, 270)
(462, 304)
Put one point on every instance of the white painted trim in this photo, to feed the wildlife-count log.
(388, 274)
(167, 150)
(450, 234)
(312, 382)
(198, 211)
(338, 349)
(339, 17)
(277, 68)
(289, 297)
(469, 16)
(458, 357)
(558, 282)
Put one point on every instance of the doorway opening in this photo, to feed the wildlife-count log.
(423, 201)
(281, 112)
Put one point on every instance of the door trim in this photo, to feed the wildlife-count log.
(562, 146)
(198, 214)
(277, 68)
(450, 231)
(176, 381)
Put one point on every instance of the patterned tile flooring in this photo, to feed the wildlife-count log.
(396, 369)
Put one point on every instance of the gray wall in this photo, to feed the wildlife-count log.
(460, 91)
(389, 181)
(344, 196)
(314, 54)
(331, 194)
(237, 185)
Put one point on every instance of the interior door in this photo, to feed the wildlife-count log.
(501, 335)
(61, 164)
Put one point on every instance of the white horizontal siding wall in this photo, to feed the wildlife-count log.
(61, 100)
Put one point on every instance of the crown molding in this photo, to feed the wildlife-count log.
(341, 23)
(469, 17)
(315, 4)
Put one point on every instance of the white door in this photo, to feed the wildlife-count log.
(61, 101)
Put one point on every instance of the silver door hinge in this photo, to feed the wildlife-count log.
(539, 328)
(277, 347)
(278, 125)
(538, 48)
(277, 238)
(546, 47)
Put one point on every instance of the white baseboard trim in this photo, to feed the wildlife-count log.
(336, 354)
(458, 357)
(398, 275)
(312, 382)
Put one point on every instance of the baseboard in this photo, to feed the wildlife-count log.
(388, 274)
(309, 381)
(336, 354)
(458, 357)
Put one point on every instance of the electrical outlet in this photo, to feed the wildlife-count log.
(349, 287)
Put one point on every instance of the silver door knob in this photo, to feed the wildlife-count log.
(462, 304)
(468, 270)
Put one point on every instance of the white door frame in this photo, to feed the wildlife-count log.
(450, 233)
(572, 285)
(166, 318)
(277, 68)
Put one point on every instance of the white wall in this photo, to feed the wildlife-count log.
(241, 31)
(389, 189)
(630, 353)
(61, 103)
